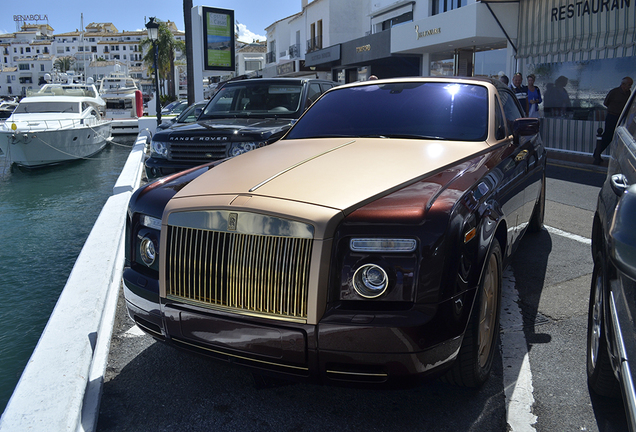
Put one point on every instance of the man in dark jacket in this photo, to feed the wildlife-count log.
(615, 102)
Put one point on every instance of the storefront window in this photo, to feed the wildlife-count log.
(442, 64)
(577, 90)
(490, 63)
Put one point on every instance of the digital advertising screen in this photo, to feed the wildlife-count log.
(218, 43)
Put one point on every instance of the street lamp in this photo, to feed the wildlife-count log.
(153, 35)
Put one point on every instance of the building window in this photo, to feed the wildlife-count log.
(68, 49)
(404, 18)
(28, 49)
(41, 68)
(441, 6)
(23, 66)
(252, 65)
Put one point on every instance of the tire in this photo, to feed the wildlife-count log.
(474, 361)
(600, 376)
(536, 221)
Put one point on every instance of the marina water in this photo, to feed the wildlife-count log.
(45, 217)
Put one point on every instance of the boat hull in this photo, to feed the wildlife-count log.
(34, 149)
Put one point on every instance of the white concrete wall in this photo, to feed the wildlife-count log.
(60, 388)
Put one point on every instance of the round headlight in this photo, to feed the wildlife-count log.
(147, 251)
(370, 281)
(237, 148)
(159, 148)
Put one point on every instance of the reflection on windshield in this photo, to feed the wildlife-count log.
(412, 110)
(256, 99)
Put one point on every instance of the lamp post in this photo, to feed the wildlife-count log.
(153, 35)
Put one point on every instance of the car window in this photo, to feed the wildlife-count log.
(500, 122)
(437, 110)
(255, 99)
(509, 102)
(313, 93)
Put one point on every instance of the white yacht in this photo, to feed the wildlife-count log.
(124, 102)
(58, 123)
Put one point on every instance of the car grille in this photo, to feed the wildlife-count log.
(197, 151)
(253, 274)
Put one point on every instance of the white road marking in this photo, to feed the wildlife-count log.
(566, 234)
(517, 376)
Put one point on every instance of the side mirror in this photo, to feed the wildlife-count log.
(525, 127)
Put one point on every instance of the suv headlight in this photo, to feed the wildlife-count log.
(159, 149)
(237, 148)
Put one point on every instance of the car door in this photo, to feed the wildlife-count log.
(530, 158)
(617, 202)
(511, 168)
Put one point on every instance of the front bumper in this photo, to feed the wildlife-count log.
(156, 168)
(395, 349)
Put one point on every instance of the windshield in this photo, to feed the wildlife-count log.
(439, 110)
(47, 107)
(255, 99)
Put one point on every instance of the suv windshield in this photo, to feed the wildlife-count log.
(255, 99)
(439, 110)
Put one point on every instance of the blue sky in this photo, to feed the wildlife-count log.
(253, 15)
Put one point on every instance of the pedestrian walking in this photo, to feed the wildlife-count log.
(534, 97)
(615, 102)
(520, 91)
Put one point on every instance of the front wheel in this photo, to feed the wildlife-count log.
(600, 376)
(474, 361)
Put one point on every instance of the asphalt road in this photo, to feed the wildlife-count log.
(538, 382)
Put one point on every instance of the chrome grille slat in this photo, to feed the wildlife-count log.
(256, 274)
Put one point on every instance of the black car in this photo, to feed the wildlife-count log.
(188, 115)
(611, 341)
(242, 116)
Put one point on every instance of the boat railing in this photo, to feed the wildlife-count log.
(60, 388)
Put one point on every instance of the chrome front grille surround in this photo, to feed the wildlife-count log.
(239, 262)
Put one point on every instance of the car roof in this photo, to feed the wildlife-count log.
(473, 80)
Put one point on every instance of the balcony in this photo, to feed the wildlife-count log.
(314, 44)
(294, 51)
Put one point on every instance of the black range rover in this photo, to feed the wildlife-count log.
(242, 116)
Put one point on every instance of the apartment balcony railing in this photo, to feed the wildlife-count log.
(294, 51)
(271, 57)
(314, 44)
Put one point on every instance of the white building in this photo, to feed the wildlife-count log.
(578, 48)
(34, 49)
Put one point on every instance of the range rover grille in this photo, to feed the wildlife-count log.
(261, 275)
(205, 151)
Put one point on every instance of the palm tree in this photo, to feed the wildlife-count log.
(64, 63)
(167, 45)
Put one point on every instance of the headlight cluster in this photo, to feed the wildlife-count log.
(379, 268)
(237, 148)
(159, 148)
(148, 243)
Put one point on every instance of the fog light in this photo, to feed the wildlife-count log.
(370, 281)
(147, 251)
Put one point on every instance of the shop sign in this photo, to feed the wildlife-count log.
(285, 68)
(363, 48)
(423, 34)
(587, 7)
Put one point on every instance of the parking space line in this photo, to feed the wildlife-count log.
(517, 376)
(566, 234)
